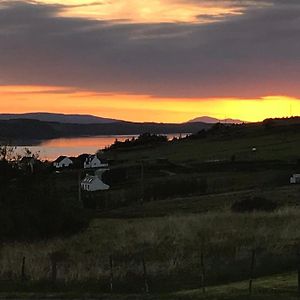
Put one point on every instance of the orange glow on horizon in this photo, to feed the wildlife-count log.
(150, 11)
(141, 108)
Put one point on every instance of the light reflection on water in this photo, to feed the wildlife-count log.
(51, 149)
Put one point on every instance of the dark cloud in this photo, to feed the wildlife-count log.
(250, 55)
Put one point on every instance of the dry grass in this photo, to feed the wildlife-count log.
(168, 243)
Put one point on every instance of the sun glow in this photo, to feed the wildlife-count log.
(150, 11)
(141, 108)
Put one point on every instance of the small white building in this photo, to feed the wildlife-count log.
(93, 161)
(93, 183)
(62, 162)
(295, 179)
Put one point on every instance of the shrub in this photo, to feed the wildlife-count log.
(31, 208)
(145, 139)
(254, 204)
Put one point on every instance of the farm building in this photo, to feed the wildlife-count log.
(62, 162)
(92, 161)
(93, 183)
(295, 179)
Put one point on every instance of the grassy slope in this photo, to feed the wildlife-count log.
(224, 185)
(270, 146)
(107, 235)
(284, 196)
(278, 287)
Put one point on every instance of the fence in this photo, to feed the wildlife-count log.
(138, 273)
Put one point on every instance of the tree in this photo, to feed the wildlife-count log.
(7, 153)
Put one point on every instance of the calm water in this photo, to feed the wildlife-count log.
(51, 149)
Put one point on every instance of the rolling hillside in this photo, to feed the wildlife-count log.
(60, 118)
(17, 129)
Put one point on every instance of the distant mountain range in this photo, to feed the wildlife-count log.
(90, 119)
(15, 130)
(39, 126)
(211, 120)
(59, 118)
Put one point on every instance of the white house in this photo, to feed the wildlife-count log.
(93, 183)
(93, 161)
(62, 162)
(295, 179)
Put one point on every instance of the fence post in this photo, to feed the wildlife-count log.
(145, 276)
(23, 275)
(111, 265)
(298, 273)
(142, 183)
(203, 273)
(253, 256)
(54, 271)
(299, 280)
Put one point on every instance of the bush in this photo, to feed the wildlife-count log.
(31, 208)
(145, 139)
(254, 204)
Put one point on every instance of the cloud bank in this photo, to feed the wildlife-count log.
(247, 55)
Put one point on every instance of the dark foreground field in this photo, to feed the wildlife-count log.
(167, 228)
(174, 255)
(277, 287)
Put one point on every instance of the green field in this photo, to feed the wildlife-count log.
(171, 248)
(285, 196)
(167, 223)
(270, 146)
(283, 286)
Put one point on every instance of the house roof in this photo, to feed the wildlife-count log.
(60, 159)
(89, 179)
(91, 157)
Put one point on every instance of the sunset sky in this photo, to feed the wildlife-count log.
(151, 60)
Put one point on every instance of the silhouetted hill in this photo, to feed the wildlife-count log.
(19, 129)
(211, 120)
(60, 118)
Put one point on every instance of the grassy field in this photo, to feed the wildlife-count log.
(265, 172)
(270, 146)
(285, 196)
(276, 287)
(283, 286)
(170, 246)
(172, 238)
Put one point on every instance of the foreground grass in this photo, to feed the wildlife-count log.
(276, 287)
(170, 246)
(283, 286)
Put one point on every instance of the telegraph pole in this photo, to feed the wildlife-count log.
(79, 186)
(142, 183)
